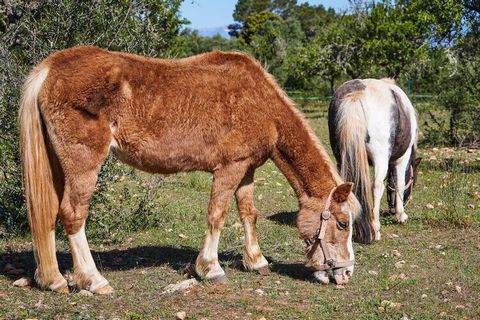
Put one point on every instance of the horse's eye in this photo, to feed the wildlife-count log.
(342, 225)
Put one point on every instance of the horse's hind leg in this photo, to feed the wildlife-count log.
(74, 211)
(81, 154)
(225, 181)
(401, 168)
(253, 258)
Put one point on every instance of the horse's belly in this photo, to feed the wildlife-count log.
(167, 158)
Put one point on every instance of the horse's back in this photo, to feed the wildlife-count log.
(164, 115)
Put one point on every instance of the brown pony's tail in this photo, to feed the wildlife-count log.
(351, 132)
(41, 198)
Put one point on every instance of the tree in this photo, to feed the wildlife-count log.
(30, 30)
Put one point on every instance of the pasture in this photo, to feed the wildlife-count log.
(426, 269)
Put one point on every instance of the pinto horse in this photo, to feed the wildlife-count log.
(216, 112)
(372, 121)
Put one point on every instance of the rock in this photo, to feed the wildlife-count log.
(181, 235)
(262, 318)
(429, 206)
(399, 264)
(442, 314)
(23, 282)
(85, 293)
(424, 296)
(458, 289)
(396, 253)
(386, 305)
(181, 315)
(180, 286)
(259, 292)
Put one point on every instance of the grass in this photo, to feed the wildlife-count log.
(438, 279)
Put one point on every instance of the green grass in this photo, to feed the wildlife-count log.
(440, 247)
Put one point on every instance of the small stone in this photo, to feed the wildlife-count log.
(396, 253)
(262, 318)
(459, 306)
(399, 264)
(373, 272)
(277, 282)
(393, 236)
(442, 314)
(429, 206)
(85, 293)
(259, 292)
(237, 225)
(471, 206)
(181, 315)
(458, 289)
(181, 235)
(424, 296)
(438, 246)
(23, 282)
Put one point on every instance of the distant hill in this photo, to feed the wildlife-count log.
(210, 32)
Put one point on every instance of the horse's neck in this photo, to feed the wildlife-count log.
(303, 160)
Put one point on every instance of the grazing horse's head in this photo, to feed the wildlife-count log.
(410, 180)
(326, 227)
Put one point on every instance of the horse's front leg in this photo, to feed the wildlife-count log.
(253, 258)
(225, 182)
(381, 168)
(401, 168)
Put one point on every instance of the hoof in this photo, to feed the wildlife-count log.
(106, 289)
(403, 218)
(321, 276)
(62, 290)
(264, 271)
(220, 279)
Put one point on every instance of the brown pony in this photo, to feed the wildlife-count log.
(216, 112)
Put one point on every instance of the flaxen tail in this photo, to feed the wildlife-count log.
(351, 132)
(40, 194)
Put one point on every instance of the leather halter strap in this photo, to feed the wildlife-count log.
(330, 262)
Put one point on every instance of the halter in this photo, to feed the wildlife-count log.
(392, 191)
(330, 263)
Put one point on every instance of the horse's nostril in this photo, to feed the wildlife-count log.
(348, 274)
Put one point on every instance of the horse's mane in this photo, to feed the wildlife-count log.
(352, 200)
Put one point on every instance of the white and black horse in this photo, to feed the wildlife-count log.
(373, 122)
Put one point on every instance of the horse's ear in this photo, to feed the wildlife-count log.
(341, 192)
(417, 161)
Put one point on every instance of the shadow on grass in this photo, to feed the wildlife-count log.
(177, 258)
(285, 217)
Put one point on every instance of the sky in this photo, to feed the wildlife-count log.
(217, 13)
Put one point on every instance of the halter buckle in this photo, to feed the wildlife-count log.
(326, 214)
(331, 263)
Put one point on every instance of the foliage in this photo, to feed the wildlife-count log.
(30, 30)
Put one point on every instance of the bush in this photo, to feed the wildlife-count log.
(30, 31)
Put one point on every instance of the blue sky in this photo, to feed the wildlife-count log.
(217, 13)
